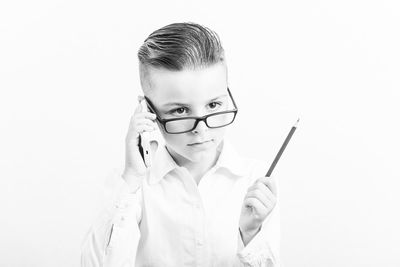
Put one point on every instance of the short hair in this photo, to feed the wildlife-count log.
(180, 46)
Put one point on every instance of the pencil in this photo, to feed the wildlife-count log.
(278, 156)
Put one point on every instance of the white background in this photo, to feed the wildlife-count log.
(69, 82)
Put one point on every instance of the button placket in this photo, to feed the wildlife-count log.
(197, 205)
(199, 231)
(198, 214)
(199, 242)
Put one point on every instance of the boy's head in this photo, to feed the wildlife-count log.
(184, 74)
(177, 47)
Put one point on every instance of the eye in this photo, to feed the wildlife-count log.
(214, 105)
(178, 111)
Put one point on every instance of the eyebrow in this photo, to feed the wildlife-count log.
(183, 104)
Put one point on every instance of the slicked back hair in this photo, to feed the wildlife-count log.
(180, 46)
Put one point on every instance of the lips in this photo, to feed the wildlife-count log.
(199, 143)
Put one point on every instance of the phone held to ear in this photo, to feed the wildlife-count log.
(148, 141)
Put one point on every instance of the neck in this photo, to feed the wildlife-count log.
(197, 168)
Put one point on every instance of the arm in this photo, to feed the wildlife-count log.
(263, 248)
(114, 237)
(113, 240)
(259, 224)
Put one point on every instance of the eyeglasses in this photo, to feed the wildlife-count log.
(188, 124)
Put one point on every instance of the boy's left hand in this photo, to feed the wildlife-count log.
(258, 202)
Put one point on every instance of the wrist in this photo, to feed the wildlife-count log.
(132, 172)
(132, 178)
(248, 235)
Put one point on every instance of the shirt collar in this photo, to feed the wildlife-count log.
(163, 163)
(228, 159)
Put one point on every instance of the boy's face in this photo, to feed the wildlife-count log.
(178, 94)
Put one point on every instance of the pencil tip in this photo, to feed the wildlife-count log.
(297, 122)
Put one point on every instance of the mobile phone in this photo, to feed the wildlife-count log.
(144, 140)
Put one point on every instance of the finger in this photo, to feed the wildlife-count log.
(145, 122)
(147, 115)
(264, 189)
(133, 135)
(270, 196)
(145, 128)
(135, 122)
(261, 196)
(255, 186)
(269, 182)
(153, 146)
(140, 98)
(272, 199)
(257, 206)
(138, 109)
(258, 185)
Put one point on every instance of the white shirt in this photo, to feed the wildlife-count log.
(170, 221)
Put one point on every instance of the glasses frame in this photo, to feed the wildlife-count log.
(163, 122)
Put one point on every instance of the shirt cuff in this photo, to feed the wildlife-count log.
(121, 198)
(123, 237)
(257, 252)
(116, 189)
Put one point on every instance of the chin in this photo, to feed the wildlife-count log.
(200, 154)
(195, 156)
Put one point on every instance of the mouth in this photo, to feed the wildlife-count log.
(200, 143)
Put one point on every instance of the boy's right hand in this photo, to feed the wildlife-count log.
(141, 121)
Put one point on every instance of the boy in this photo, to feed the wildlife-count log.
(199, 204)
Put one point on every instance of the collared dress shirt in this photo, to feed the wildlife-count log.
(171, 221)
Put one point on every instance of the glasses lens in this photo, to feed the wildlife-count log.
(219, 120)
(179, 125)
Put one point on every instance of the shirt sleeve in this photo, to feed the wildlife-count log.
(263, 249)
(114, 237)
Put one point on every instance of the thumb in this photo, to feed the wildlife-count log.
(153, 149)
(140, 99)
(153, 146)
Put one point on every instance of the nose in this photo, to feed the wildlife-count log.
(200, 128)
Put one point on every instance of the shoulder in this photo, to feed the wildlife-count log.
(251, 168)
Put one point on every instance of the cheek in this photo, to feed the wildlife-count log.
(175, 141)
(178, 141)
(219, 133)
